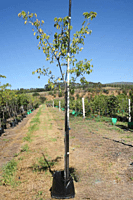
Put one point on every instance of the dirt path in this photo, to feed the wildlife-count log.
(99, 154)
(103, 160)
(11, 139)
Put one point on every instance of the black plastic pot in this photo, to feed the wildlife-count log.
(19, 120)
(12, 124)
(1, 130)
(16, 121)
(4, 126)
(24, 116)
(60, 189)
(4, 123)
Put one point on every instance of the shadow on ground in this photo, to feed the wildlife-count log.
(121, 142)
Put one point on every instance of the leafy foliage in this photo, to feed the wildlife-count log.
(56, 49)
(100, 104)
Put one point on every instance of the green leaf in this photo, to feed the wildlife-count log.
(55, 19)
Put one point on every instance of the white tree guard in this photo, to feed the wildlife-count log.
(129, 119)
(83, 105)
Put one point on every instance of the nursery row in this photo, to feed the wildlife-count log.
(102, 105)
(13, 107)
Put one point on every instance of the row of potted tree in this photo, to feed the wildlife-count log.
(14, 107)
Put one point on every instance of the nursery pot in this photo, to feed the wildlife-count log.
(1, 130)
(24, 116)
(114, 120)
(3, 126)
(16, 121)
(130, 125)
(73, 112)
(12, 124)
(60, 188)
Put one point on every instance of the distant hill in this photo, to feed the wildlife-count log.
(120, 83)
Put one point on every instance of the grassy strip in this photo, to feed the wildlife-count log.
(34, 126)
(8, 176)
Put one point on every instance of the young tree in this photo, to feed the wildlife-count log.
(62, 50)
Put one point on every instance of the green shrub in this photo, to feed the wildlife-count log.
(35, 94)
(51, 93)
(60, 94)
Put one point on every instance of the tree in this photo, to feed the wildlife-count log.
(4, 86)
(63, 51)
(57, 49)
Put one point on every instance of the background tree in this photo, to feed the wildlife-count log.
(4, 86)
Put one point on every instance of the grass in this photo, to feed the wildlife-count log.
(50, 126)
(16, 154)
(8, 176)
(72, 137)
(78, 146)
(25, 148)
(39, 194)
(27, 138)
(42, 164)
(110, 164)
(53, 139)
(6, 140)
(21, 158)
(34, 126)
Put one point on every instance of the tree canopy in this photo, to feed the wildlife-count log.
(56, 48)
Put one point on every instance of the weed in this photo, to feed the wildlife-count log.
(27, 138)
(33, 128)
(117, 177)
(50, 126)
(21, 158)
(129, 136)
(78, 146)
(42, 164)
(131, 178)
(16, 154)
(8, 176)
(25, 148)
(72, 137)
(6, 140)
(53, 139)
(110, 164)
(35, 120)
(40, 193)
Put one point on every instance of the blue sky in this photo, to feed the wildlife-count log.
(110, 46)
